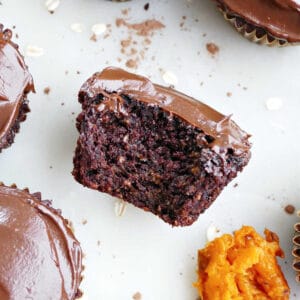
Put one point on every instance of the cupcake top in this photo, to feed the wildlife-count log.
(15, 80)
(281, 18)
(40, 257)
(224, 132)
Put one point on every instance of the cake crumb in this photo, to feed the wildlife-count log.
(93, 37)
(290, 209)
(137, 296)
(229, 94)
(47, 90)
(84, 221)
(212, 48)
(145, 28)
(131, 63)
(146, 6)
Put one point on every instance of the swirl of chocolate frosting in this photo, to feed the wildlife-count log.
(280, 18)
(40, 257)
(15, 81)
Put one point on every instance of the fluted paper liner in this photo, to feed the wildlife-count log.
(266, 39)
(296, 250)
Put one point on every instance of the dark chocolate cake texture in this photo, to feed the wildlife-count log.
(16, 83)
(40, 257)
(154, 147)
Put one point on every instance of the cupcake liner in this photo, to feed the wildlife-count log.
(253, 33)
(296, 250)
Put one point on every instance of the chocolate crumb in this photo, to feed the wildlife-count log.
(93, 37)
(290, 209)
(146, 6)
(62, 104)
(236, 185)
(145, 28)
(137, 296)
(84, 222)
(131, 63)
(78, 72)
(212, 48)
(47, 90)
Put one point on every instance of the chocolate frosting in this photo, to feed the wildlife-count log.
(280, 18)
(15, 81)
(40, 257)
(223, 132)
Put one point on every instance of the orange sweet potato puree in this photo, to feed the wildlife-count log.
(242, 267)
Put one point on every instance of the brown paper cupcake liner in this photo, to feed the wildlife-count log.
(253, 33)
(296, 250)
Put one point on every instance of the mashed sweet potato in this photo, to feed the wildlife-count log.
(242, 267)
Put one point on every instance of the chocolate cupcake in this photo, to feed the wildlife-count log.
(155, 147)
(16, 83)
(269, 22)
(40, 257)
(296, 250)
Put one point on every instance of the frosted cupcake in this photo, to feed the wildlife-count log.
(270, 22)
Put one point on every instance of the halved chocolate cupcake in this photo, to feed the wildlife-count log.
(155, 147)
(40, 257)
(296, 250)
(270, 22)
(16, 83)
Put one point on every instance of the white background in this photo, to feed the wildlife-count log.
(138, 252)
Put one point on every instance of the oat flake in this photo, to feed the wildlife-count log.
(120, 208)
(77, 27)
(170, 78)
(52, 5)
(99, 28)
(34, 51)
(274, 103)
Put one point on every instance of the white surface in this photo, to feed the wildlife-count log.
(138, 252)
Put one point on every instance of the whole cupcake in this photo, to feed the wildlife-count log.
(270, 22)
(16, 83)
(296, 250)
(40, 257)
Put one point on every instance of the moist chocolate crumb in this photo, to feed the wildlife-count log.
(146, 6)
(236, 185)
(47, 90)
(62, 104)
(131, 63)
(93, 37)
(137, 296)
(212, 48)
(290, 209)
